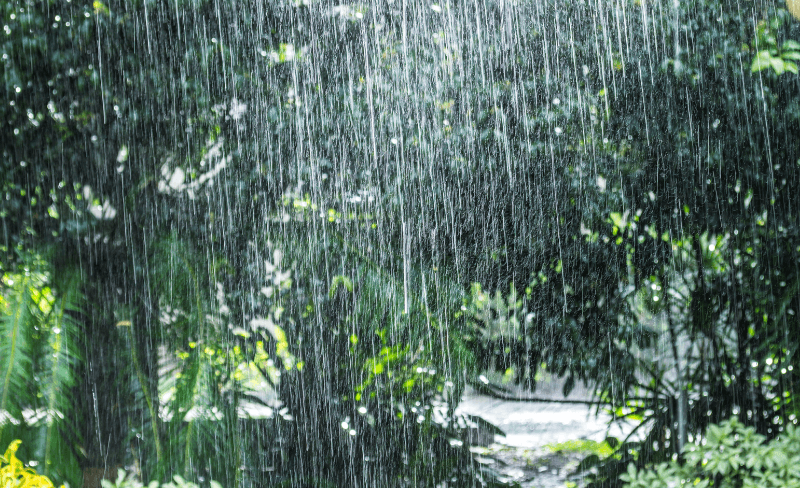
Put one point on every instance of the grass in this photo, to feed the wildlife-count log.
(584, 446)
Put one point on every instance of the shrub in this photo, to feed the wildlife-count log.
(13, 474)
(730, 456)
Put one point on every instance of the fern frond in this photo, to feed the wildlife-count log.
(61, 359)
(186, 392)
(16, 324)
(186, 388)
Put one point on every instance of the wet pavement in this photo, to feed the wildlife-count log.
(532, 451)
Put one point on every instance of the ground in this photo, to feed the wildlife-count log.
(544, 442)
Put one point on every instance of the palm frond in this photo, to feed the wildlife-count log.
(180, 427)
(15, 352)
(60, 361)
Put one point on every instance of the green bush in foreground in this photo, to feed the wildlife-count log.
(14, 474)
(732, 456)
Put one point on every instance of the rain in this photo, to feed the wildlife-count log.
(399, 243)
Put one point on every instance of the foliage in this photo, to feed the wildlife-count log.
(13, 474)
(389, 407)
(725, 286)
(600, 449)
(580, 158)
(730, 456)
(675, 314)
(40, 319)
(771, 56)
(172, 292)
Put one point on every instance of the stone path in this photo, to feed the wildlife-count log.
(534, 452)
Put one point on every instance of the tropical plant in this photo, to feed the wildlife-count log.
(731, 455)
(725, 287)
(770, 55)
(398, 157)
(677, 316)
(41, 329)
(391, 407)
(14, 474)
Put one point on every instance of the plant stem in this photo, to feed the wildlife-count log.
(682, 398)
(147, 397)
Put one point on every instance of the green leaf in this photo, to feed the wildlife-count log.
(777, 65)
(568, 385)
(16, 323)
(63, 357)
(340, 280)
(791, 45)
(761, 62)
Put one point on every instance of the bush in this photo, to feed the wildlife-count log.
(13, 474)
(730, 456)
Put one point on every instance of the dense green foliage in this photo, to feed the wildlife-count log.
(40, 353)
(353, 209)
(731, 455)
(670, 273)
(134, 167)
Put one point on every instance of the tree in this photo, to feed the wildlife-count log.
(174, 286)
(728, 282)
(679, 234)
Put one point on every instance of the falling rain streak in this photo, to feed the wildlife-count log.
(305, 244)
